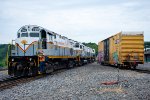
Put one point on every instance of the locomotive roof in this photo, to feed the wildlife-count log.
(32, 26)
(29, 26)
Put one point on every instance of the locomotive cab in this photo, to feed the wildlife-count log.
(43, 39)
(23, 59)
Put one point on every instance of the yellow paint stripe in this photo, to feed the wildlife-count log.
(61, 57)
(66, 57)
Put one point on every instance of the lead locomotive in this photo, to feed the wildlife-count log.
(37, 50)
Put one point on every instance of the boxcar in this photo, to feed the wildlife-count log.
(125, 49)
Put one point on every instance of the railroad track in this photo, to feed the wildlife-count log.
(142, 71)
(136, 70)
(7, 83)
(2, 69)
(139, 70)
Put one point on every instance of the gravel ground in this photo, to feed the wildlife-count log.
(84, 83)
(145, 66)
(3, 74)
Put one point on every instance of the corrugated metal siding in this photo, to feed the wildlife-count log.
(101, 51)
(122, 45)
(111, 49)
(114, 49)
(101, 46)
(133, 46)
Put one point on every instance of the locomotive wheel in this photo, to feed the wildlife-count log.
(70, 64)
(30, 72)
(75, 63)
(15, 72)
(33, 70)
(119, 66)
(49, 68)
(10, 69)
(128, 67)
(133, 67)
(25, 71)
(82, 63)
(18, 70)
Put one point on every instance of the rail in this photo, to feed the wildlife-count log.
(9, 82)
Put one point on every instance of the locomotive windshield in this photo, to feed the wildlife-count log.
(77, 45)
(34, 34)
(24, 35)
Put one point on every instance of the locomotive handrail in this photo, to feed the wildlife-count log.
(8, 48)
(12, 45)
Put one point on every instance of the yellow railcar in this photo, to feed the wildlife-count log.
(125, 49)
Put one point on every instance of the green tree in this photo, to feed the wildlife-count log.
(3, 52)
(146, 45)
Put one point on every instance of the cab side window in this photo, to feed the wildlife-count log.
(18, 35)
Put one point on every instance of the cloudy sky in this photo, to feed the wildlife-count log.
(82, 20)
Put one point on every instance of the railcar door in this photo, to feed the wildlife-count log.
(44, 39)
(106, 50)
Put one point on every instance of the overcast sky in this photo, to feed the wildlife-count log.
(81, 20)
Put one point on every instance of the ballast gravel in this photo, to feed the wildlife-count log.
(84, 83)
(3, 74)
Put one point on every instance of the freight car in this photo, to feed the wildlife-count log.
(37, 50)
(125, 49)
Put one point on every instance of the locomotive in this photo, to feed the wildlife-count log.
(37, 50)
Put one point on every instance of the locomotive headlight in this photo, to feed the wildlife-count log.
(12, 59)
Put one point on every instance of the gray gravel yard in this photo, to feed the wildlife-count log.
(145, 66)
(84, 83)
(4, 74)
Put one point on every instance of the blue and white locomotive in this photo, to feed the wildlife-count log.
(37, 50)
